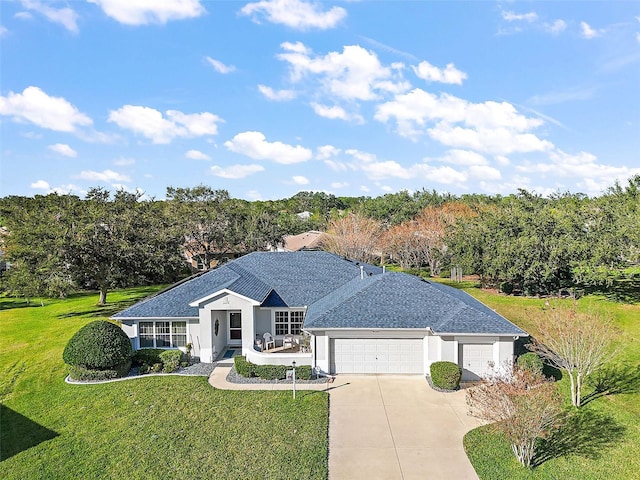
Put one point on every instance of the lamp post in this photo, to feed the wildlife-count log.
(294, 379)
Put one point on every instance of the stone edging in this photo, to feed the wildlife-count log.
(234, 377)
(71, 381)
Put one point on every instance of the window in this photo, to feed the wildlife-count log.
(288, 322)
(162, 334)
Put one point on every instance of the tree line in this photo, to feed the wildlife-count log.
(520, 243)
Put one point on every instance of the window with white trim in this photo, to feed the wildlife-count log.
(162, 334)
(288, 322)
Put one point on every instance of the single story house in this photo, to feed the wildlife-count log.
(344, 317)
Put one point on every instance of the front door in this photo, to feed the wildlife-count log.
(235, 328)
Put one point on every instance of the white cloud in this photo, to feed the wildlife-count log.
(35, 106)
(450, 74)
(354, 74)
(364, 188)
(336, 166)
(104, 176)
(145, 12)
(488, 127)
(499, 141)
(510, 16)
(376, 169)
(23, 16)
(234, 172)
(300, 180)
(254, 195)
(124, 162)
(296, 14)
(197, 155)
(556, 27)
(502, 160)
(151, 124)
(335, 112)
(484, 172)
(442, 174)
(591, 176)
(66, 16)
(339, 184)
(63, 149)
(255, 145)
(3, 31)
(327, 151)
(588, 32)
(41, 185)
(277, 95)
(638, 37)
(219, 66)
(463, 157)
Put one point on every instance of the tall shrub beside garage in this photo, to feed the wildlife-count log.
(100, 350)
(445, 375)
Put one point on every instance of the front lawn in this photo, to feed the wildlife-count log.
(603, 440)
(152, 427)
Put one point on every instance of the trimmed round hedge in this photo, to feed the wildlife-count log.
(99, 345)
(530, 362)
(445, 375)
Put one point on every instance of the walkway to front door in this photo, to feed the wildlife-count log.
(396, 427)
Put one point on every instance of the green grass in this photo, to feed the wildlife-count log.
(603, 439)
(153, 427)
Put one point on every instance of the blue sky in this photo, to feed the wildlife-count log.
(268, 98)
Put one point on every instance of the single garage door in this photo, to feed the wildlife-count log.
(475, 359)
(377, 355)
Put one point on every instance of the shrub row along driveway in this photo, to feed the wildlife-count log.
(396, 427)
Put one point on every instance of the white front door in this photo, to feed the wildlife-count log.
(235, 328)
(377, 355)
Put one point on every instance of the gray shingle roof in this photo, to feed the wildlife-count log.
(335, 294)
(398, 300)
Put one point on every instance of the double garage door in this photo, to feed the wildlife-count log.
(377, 355)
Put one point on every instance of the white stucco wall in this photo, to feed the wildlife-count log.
(263, 321)
(225, 303)
(193, 337)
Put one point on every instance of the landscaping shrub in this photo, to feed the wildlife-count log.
(244, 367)
(171, 360)
(99, 346)
(445, 375)
(530, 362)
(506, 287)
(269, 372)
(304, 372)
(157, 367)
(147, 356)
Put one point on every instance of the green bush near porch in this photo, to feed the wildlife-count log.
(269, 372)
(98, 351)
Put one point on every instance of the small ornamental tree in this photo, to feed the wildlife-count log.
(99, 346)
(578, 343)
(523, 406)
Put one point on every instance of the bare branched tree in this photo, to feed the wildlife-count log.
(523, 406)
(354, 236)
(577, 343)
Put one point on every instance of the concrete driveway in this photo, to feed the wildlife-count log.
(396, 427)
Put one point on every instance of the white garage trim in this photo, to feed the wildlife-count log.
(377, 355)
